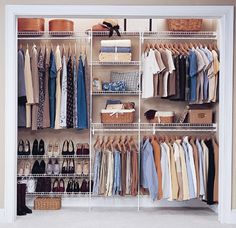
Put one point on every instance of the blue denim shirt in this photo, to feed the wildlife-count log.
(192, 59)
(52, 89)
(117, 173)
(149, 177)
(96, 169)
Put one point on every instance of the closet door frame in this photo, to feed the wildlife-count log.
(226, 16)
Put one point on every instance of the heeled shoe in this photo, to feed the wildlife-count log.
(86, 168)
(79, 168)
(49, 167)
(55, 187)
(27, 147)
(85, 149)
(36, 168)
(69, 187)
(41, 147)
(61, 185)
(64, 168)
(71, 148)
(21, 168)
(76, 186)
(20, 147)
(71, 166)
(50, 150)
(84, 186)
(65, 148)
(42, 167)
(79, 148)
(56, 150)
(35, 150)
(56, 168)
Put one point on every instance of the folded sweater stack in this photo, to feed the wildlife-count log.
(115, 50)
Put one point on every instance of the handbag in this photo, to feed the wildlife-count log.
(31, 185)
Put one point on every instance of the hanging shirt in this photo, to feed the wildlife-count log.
(58, 86)
(201, 168)
(216, 67)
(96, 170)
(75, 93)
(192, 69)
(183, 170)
(63, 93)
(166, 187)
(205, 166)
(150, 67)
(117, 173)
(128, 173)
(149, 178)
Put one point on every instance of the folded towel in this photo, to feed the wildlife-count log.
(111, 57)
(116, 49)
(115, 43)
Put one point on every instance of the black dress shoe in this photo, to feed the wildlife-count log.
(64, 168)
(36, 168)
(76, 186)
(21, 147)
(35, 150)
(41, 147)
(69, 187)
(71, 165)
(65, 148)
(42, 167)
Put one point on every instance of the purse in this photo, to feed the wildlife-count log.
(31, 185)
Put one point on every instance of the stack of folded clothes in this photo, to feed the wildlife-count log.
(115, 50)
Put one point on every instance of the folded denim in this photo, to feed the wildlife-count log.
(116, 49)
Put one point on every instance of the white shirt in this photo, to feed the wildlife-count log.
(63, 93)
(150, 67)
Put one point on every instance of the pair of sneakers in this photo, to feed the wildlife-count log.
(53, 167)
(53, 150)
(24, 168)
(82, 168)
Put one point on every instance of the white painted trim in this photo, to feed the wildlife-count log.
(224, 13)
(2, 216)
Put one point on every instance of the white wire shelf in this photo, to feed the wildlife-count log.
(114, 93)
(52, 157)
(154, 127)
(52, 35)
(106, 33)
(56, 194)
(132, 63)
(54, 175)
(180, 35)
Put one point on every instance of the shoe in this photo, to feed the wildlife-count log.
(50, 150)
(71, 166)
(21, 168)
(27, 147)
(79, 148)
(42, 167)
(41, 147)
(36, 168)
(86, 168)
(61, 185)
(23, 195)
(49, 167)
(79, 168)
(64, 168)
(20, 209)
(55, 187)
(56, 150)
(85, 149)
(71, 148)
(76, 186)
(35, 150)
(56, 168)
(27, 168)
(69, 187)
(65, 148)
(21, 147)
(84, 186)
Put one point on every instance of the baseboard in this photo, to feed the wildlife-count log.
(3, 218)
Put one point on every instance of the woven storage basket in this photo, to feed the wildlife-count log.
(112, 116)
(200, 116)
(47, 203)
(61, 25)
(163, 117)
(184, 24)
(31, 24)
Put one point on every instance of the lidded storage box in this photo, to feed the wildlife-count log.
(61, 25)
(200, 116)
(30, 24)
(163, 117)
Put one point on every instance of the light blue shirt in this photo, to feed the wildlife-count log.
(117, 173)
(149, 177)
(189, 172)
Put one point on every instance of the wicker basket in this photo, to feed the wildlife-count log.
(184, 24)
(47, 203)
(117, 116)
(163, 117)
(200, 116)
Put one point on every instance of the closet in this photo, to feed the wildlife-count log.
(120, 114)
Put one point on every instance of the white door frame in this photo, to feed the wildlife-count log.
(226, 16)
